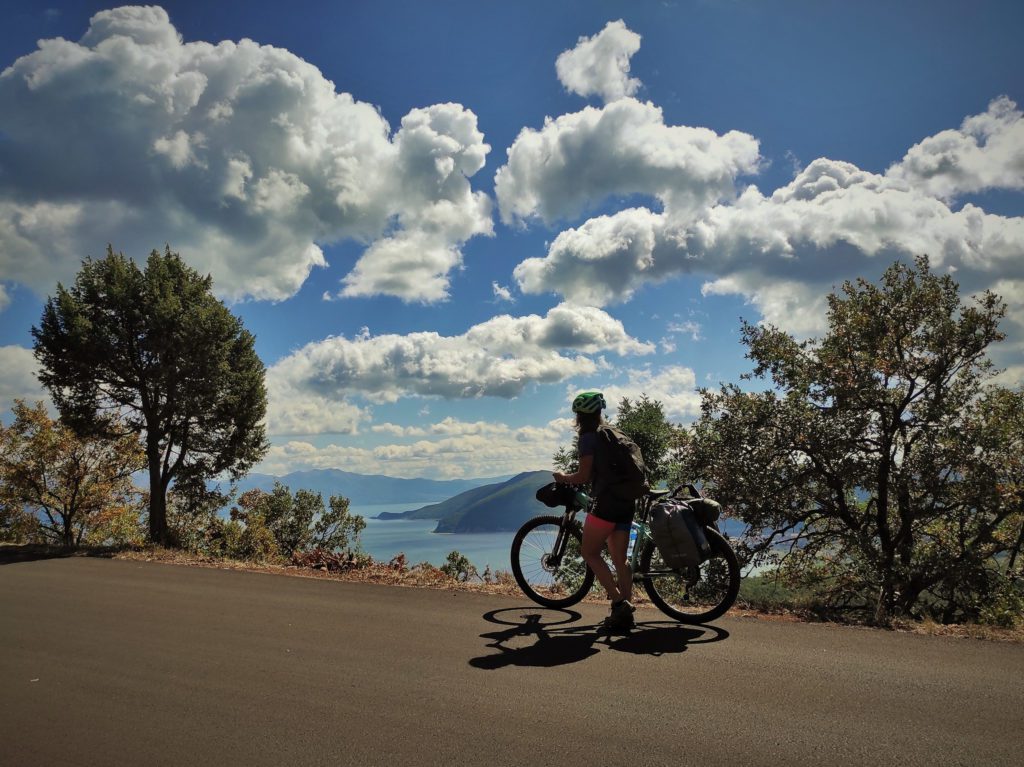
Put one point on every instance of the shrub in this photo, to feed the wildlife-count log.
(459, 567)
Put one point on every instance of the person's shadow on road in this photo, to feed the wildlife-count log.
(556, 642)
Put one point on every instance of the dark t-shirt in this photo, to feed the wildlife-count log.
(588, 443)
(608, 507)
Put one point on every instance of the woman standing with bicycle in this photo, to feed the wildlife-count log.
(611, 514)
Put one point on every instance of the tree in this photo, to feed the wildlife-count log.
(73, 483)
(883, 457)
(193, 508)
(301, 522)
(156, 347)
(16, 524)
(458, 566)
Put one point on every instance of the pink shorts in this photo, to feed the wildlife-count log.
(603, 526)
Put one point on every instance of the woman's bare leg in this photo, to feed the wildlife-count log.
(618, 542)
(593, 542)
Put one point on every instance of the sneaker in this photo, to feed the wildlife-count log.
(621, 617)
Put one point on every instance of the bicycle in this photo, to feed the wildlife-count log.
(549, 568)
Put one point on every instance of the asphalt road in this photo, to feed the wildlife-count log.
(112, 662)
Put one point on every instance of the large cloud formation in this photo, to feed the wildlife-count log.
(781, 251)
(986, 152)
(824, 226)
(499, 358)
(242, 156)
(624, 148)
(460, 449)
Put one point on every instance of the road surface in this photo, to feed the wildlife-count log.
(108, 662)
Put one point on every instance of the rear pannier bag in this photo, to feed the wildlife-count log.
(678, 535)
(706, 511)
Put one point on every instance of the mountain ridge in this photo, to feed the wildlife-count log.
(497, 507)
(366, 489)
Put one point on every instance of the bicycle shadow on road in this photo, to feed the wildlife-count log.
(556, 643)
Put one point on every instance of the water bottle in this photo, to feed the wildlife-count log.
(632, 539)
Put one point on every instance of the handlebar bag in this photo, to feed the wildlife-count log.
(555, 494)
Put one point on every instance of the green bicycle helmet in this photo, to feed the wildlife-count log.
(589, 402)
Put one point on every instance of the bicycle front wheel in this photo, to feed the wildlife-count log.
(695, 594)
(546, 578)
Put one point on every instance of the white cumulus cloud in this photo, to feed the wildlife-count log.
(674, 386)
(986, 152)
(582, 158)
(242, 156)
(499, 357)
(599, 65)
(456, 449)
(785, 251)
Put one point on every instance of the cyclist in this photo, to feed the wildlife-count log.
(610, 516)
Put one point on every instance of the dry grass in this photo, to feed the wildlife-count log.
(416, 576)
(962, 631)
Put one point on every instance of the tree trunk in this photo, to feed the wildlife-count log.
(883, 609)
(157, 497)
(68, 533)
(1016, 550)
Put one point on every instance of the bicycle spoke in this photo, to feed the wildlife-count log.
(698, 593)
(542, 578)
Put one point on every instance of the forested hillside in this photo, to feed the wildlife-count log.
(498, 507)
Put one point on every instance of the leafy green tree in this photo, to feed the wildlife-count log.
(16, 524)
(72, 483)
(458, 566)
(156, 347)
(337, 528)
(193, 507)
(119, 526)
(301, 522)
(883, 457)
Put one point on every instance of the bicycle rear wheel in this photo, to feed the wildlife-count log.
(544, 578)
(696, 594)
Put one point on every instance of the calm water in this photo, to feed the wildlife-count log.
(383, 539)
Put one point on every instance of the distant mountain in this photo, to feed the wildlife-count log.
(498, 507)
(364, 489)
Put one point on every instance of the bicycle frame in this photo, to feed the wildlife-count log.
(639, 523)
(562, 541)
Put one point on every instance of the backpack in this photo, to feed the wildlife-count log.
(620, 466)
(678, 535)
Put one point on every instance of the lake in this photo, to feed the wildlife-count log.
(384, 538)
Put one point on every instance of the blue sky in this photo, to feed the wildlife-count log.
(438, 234)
